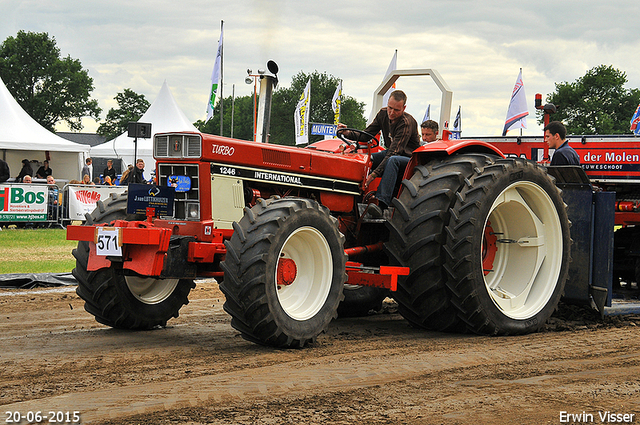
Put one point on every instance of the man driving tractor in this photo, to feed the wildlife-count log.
(400, 131)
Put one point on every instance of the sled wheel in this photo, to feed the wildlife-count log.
(417, 236)
(119, 301)
(284, 272)
(525, 212)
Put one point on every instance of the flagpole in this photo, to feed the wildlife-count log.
(340, 97)
(233, 105)
(221, 75)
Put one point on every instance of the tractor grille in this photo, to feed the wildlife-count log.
(270, 156)
(182, 199)
(178, 146)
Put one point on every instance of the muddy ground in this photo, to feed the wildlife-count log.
(374, 370)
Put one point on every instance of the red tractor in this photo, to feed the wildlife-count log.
(473, 240)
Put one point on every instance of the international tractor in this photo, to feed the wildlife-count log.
(473, 241)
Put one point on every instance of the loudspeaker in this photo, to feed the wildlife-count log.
(139, 129)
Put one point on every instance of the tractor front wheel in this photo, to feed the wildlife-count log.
(119, 301)
(284, 272)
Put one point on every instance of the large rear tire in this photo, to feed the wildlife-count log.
(284, 272)
(508, 248)
(119, 301)
(417, 236)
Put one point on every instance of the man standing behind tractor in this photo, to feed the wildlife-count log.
(400, 131)
(555, 134)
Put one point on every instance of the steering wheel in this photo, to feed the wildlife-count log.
(355, 145)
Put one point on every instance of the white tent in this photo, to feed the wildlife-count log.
(21, 137)
(164, 116)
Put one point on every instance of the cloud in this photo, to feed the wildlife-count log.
(478, 48)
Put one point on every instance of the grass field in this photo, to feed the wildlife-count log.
(35, 251)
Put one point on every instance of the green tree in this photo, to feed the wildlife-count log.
(596, 103)
(285, 99)
(49, 88)
(323, 87)
(131, 106)
(242, 118)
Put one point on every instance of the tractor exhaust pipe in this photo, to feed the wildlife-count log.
(267, 83)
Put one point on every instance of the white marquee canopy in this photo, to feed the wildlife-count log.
(21, 137)
(164, 116)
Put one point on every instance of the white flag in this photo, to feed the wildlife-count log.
(427, 114)
(336, 102)
(393, 65)
(301, 116)
(518, 111)
(215, 77)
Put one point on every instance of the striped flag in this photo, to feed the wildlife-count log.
(215, 77)
(518, 111)
(635, 120)
(457, 126)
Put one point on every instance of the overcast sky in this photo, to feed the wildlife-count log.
(478, 47)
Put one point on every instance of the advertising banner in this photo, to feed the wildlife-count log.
(23, 202)
(82, 199)
(143, 196)
(319, 129)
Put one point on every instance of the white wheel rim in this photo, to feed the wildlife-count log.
(150, 290)
(529, 250)
(307, 294)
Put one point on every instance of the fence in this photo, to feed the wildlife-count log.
(48, 205)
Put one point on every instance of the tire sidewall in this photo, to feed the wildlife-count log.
(322, 223)
(157, 312)
(531, 174)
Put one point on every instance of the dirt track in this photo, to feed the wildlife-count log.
(372, 370)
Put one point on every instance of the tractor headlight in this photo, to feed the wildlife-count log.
(193, 210)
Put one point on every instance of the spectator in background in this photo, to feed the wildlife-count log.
(124, 179)
(86, 179)
(109, 171)
(44, 171)
(107, 181)
(87, 168)
(25, 171)
(53, 208)
(27, 179)
(5, 173)
(137, 175)
(96, 180)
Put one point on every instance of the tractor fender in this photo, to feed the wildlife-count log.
(447, 147)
